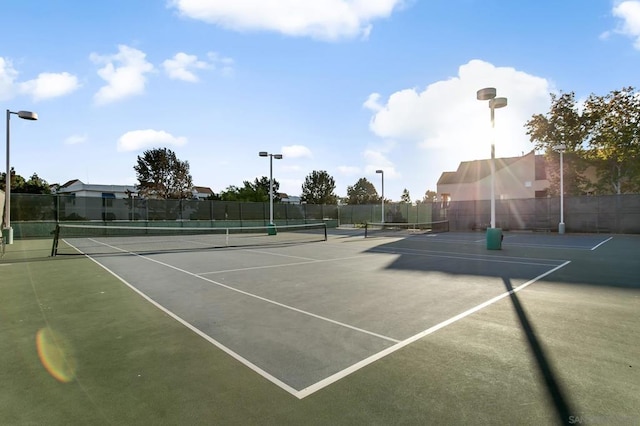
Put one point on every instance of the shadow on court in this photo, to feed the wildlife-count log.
(612, 268)
(553, 386)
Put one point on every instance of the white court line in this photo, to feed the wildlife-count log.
(251, 268)
(341, 374)
(278, 254)
(595, 247)
(255, 296)
(200, 333)
(355, 367)
(481, 257)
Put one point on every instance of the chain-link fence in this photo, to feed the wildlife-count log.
(608, 213)
(612, 213)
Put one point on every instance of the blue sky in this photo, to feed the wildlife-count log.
(345, 86)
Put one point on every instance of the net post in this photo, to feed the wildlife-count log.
(366, 228)
(325, 231)
(56, 236)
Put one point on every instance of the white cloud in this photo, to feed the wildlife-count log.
(373, 102)
(447, 118)
(296, 151)
(75, 139)
(326, 20)
(50, 85)
(139, 139)
(124, 73)
(377, 160)
(179, 68)
(222, 63)
(8, 74)
(182, 66)
(629, 12)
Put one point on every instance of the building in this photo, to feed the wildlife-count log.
(515, 178)
(202, 192)
(82, 201)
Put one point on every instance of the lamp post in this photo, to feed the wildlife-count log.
(561, 148)
(382, 173)
(7, 230)
(271, 157)
(489, 94)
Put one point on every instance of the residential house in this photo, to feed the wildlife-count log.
(202, 192)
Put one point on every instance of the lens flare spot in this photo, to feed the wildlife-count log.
(56, 355)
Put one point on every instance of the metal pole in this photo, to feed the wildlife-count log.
(561, 226)
(383, 197)
(493, 168)
(271, 189)
(7, 191)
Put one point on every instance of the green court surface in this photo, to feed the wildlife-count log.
(418, 329)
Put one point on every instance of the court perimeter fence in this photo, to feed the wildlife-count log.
(35, 215)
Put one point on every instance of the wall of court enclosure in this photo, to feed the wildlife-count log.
(36, 215)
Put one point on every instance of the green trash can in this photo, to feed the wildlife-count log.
(494, 238)
(7, 235)
(271, 229)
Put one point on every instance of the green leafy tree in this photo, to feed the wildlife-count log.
(363, 192)
(34, 185)
(257, 191)
(262, 186)
(430, 196)
(613, 122)
(405, 197)
(318, 188)
(562, 125)
(161, 174)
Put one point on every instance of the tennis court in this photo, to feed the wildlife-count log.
(308, 316)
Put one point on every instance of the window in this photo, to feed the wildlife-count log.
(107, 199)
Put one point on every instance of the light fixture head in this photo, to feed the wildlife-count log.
(277, 156)
(28, 115)
(379, 171)
(496, 103)
(560, 147)
(486, 94)
(263, 154)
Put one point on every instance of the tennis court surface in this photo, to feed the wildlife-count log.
(549, 313)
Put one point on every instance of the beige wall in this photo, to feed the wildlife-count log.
(512, 182)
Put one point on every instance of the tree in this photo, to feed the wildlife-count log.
(35, 184)
(257, 191)
(563, 124)
(613, 122)
(262, 186)
(605, 135)
(363, 192)
(318, 188)
(430, 196)
(405, 197)
(161, 174)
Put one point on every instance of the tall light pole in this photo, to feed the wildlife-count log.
(561, 148)
(489, 94)
(6, 228)
(382, 173)
(271, 157)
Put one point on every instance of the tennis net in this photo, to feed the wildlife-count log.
(109, 239)
(402, 229)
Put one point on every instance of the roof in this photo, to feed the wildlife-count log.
(476, 170)
(203, 190)
(69, 183)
